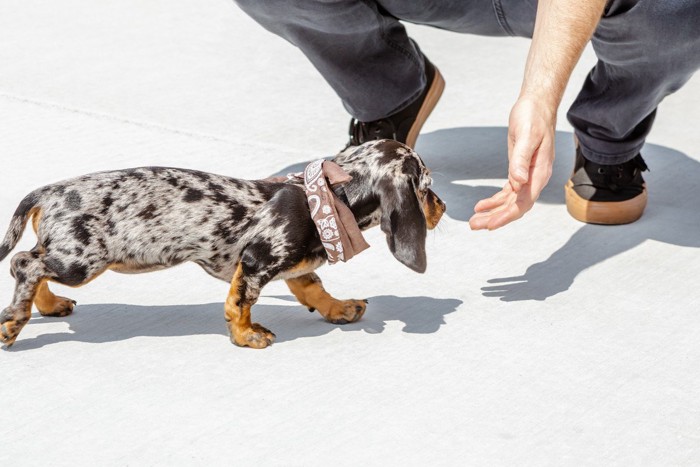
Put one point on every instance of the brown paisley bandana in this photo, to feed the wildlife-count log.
(340, 235)
(336, 225)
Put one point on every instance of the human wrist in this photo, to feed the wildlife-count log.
(541, 102)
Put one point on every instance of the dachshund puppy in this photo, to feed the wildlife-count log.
(246, 233)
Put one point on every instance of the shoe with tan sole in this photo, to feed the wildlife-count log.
(403, 126)
(606, 194)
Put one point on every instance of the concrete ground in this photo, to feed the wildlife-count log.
(548, 342)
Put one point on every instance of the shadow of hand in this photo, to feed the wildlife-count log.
(539, 282)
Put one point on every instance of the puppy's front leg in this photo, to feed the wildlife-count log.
(309, 290)
(242, 295)
(49, 304)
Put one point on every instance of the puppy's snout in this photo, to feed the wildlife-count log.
(434, 208)
(441, 204)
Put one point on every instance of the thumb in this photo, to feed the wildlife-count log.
(521, 157)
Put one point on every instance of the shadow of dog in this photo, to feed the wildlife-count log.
(99, 323)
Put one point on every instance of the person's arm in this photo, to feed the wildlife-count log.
(562, 30)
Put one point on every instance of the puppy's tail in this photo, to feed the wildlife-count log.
(18, 223)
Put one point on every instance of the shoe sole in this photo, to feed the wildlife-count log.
(431, 100)
(604, 212)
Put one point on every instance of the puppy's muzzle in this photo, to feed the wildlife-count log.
(433, 208)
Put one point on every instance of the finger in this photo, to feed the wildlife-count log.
(541, 171)
(505, 216)
(517, 186)
(509, 205)
(515, 183)
(520, 159)
(483, 220)
(492, 202)
(524, 201)
(480, 221)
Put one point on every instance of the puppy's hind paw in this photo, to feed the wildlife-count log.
(9, 330)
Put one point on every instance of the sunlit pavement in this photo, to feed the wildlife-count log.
(548, 342)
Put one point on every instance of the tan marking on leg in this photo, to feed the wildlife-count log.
(243, 332)
(302, 268)
(49, 304)
(309, 290)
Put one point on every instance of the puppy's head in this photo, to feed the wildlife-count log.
(391, 187)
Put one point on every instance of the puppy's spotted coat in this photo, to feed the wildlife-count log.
(244, 232)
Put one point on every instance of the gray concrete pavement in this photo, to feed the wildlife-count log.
(548, 342)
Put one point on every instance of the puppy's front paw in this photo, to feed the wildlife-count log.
(346, 311)
(256, 336)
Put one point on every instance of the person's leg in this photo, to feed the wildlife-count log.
(646, 50)
(364, 53)
(482, 17)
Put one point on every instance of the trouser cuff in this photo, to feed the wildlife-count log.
(606, 152)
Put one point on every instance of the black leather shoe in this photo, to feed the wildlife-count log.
(606, 194)
(403, 126)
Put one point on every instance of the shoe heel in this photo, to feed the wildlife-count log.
(431, 100)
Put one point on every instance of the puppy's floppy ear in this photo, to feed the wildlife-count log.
(403, 222)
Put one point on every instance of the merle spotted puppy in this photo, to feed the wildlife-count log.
(244, 232)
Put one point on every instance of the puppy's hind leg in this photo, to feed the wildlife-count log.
(309, 290)
(28, 269)
(31, 270)
(244, 292)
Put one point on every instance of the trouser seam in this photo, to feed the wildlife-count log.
(398, 48)
(386, 39)
(501, 17)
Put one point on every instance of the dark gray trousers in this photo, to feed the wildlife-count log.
(646, 49)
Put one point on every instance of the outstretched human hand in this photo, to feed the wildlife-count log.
(562, 30)
(530, 159)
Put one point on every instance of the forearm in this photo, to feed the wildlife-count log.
(562, 30)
